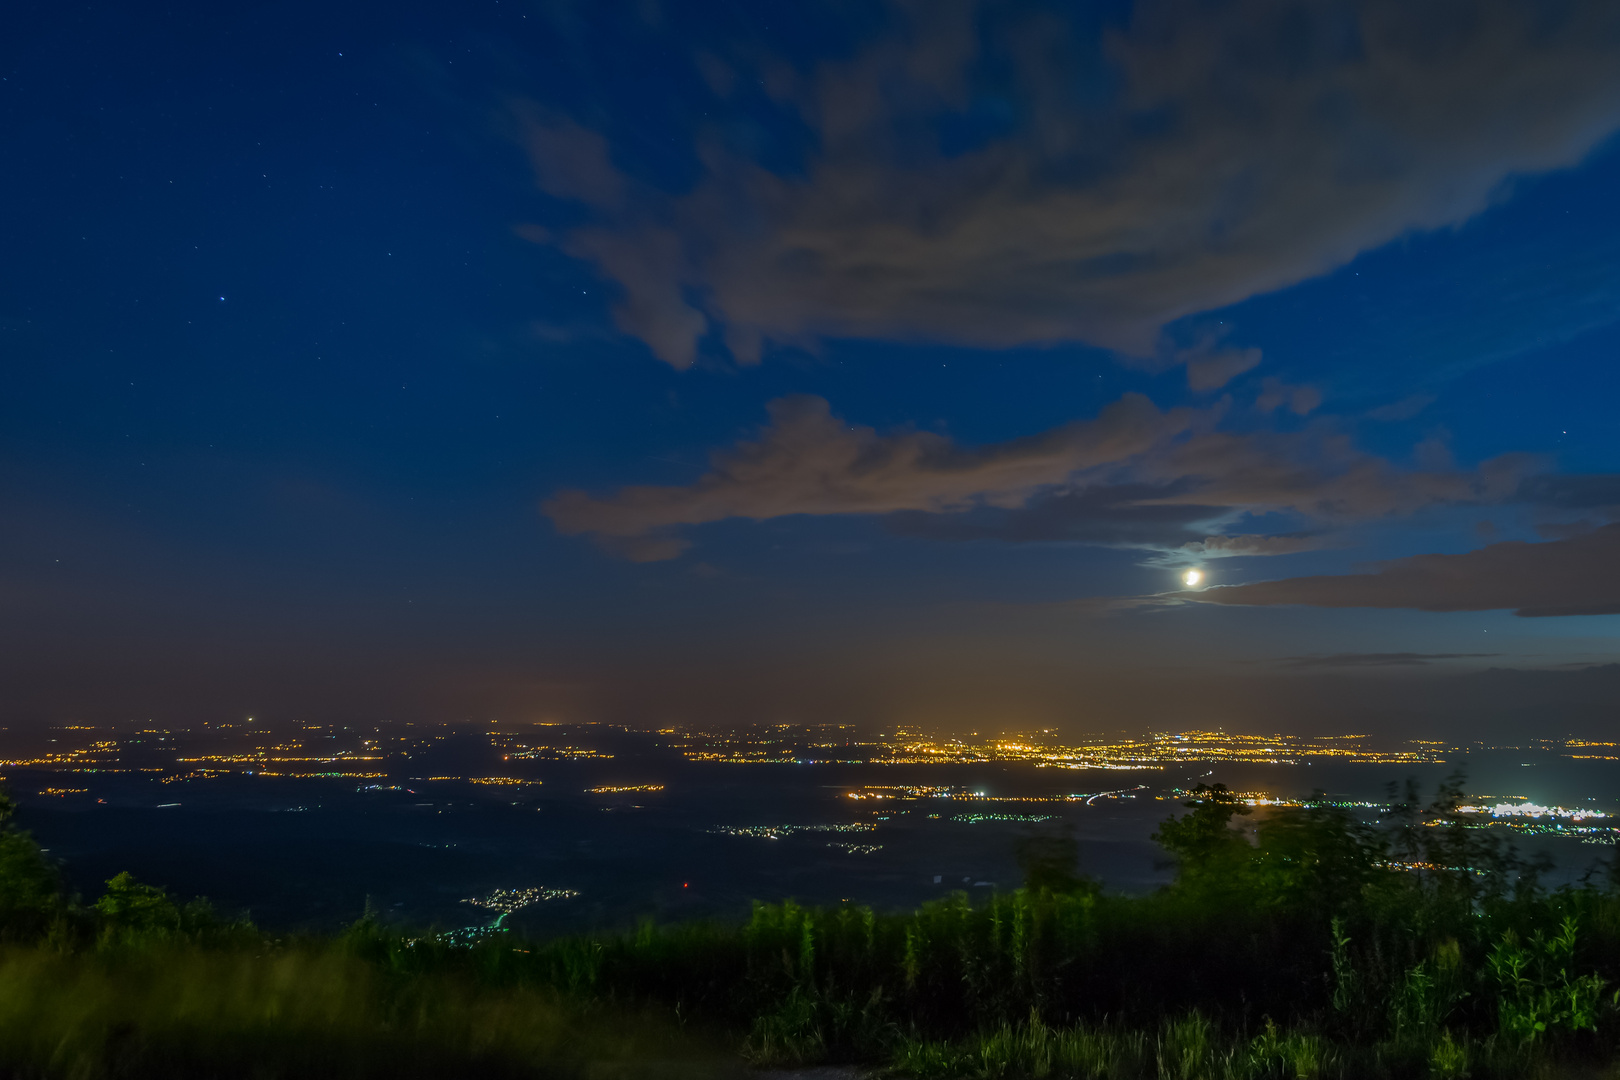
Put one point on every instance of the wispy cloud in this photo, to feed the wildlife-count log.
(1384, 659)
(1251, 544)
(808, 461)
(1134, 475)
(1190, 158)
(1576, 576)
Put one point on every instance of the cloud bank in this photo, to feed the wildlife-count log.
(1134, 476)
(1577, 576)
(1377, 660)
(809, 462)
(1192, 157)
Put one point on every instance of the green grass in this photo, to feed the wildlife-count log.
(307, 1011)
(1192, 1048)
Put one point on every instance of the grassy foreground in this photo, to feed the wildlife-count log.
(172, 1011)
(1320, 947)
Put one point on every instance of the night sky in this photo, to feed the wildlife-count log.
(843, 362)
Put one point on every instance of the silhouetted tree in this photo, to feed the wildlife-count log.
(1052, 862)
(1203, 841)
(30, 886)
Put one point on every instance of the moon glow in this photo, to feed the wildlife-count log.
(1192, 578)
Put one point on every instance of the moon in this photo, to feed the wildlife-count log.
(1192, 578)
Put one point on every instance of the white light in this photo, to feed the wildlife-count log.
(1192, 578)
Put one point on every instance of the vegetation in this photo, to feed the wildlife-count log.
(1313, 945)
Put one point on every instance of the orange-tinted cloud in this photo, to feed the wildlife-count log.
(808, 461)
(1133, 475)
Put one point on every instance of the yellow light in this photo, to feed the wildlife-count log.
(1192, 578)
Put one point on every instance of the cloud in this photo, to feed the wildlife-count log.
(1366, 660)
(1597, 492)
(1196, 155)
(1105, 606)
(1213, 370)
(1547, 530)
(1576, 576)
(569, 161)
(1173, 495)
(1404, 409)
(1301, 400)
(1132, 476)
(1318, 473)
(1114, 515)
(1284, 544)
(810, 462)
(644, 549)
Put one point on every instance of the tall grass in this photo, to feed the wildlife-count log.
(178, 1011)
(1193, 1048)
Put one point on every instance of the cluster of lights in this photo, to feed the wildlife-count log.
(507, 901)
(1152, 752)
(882, 791)
(280, 759)
(1532, 810)
(1415, 867)
(310, 752)
(195, 774)
(556, 753)
(1524, 817)
(322, 775)
(925, 791)
(781, 832)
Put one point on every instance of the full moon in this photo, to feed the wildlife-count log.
(1192, 577)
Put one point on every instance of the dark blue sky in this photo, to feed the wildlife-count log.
(821, 362)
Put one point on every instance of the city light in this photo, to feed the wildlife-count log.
(222, 753)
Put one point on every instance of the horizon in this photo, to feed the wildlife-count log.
(554, 828)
